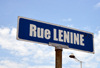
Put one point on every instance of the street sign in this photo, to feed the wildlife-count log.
(43, 32)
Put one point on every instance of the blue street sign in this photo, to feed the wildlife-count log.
(43, 32)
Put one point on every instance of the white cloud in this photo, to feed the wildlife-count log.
(8, 41)
(20, 48)
(67, 20)
(97, 43)
(91, 65)
(87, 28)
(11, 64)
(97, 5)
(4, 31)
(70, 26)
(42, 53)
(42, 67)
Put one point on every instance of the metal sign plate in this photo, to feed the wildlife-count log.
(43, 32)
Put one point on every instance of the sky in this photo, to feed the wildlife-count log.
(78, 14)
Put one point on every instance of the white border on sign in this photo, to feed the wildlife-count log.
(55, 25)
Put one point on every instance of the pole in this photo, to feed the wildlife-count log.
(58, 58)
(81, 63)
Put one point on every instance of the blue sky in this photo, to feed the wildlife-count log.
(79, 14)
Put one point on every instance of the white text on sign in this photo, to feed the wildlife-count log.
(58, 35)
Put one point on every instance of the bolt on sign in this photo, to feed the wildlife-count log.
(43, 32)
